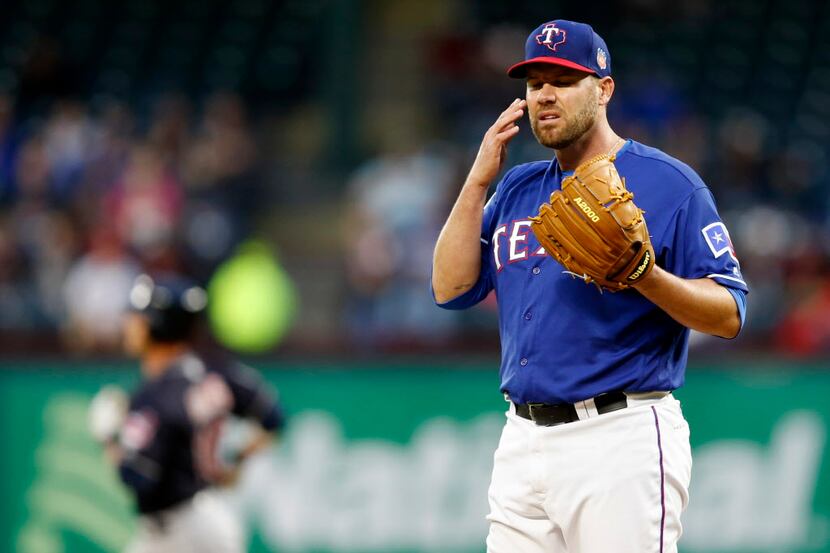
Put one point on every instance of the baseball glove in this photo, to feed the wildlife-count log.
(593, 228)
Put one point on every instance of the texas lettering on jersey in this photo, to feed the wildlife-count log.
(515, 243)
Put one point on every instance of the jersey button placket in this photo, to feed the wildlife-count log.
(528, 315)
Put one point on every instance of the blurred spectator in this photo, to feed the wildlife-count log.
(395, 206)
(50, 243)
(18, 296)
(169, 130)
(742, 164)
(8, 143)
(109, 147)
(805, 329)
(222, 184)
(96, 294)
(33, 175)
(145, 205)
(67, 137)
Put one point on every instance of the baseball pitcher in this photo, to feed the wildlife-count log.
(601, 258)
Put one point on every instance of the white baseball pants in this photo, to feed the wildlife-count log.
(202, 525)
(606, 483)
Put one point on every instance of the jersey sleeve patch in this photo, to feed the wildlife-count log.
(717, 238)
(139, 430)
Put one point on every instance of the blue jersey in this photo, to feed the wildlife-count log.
(565, 341)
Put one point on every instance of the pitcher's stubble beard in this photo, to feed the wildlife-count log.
(576, 127)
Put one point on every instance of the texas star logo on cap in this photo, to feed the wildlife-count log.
(566, 43)
(552, 36)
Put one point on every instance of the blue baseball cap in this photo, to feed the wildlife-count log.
(565, 43)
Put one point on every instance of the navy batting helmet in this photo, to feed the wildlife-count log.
(170, 303)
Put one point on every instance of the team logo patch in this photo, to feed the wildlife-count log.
(552, 36)
(602, 58)
(138, 430)
(717, 238)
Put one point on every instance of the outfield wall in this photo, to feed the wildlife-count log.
(397, 459)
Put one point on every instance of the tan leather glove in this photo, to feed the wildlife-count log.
(593, 228)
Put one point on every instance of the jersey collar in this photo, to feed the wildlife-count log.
(554, 163)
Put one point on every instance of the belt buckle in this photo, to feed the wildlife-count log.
(531, 407)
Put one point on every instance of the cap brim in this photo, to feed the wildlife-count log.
(519, 71)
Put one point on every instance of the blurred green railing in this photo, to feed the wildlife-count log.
(397, 459)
